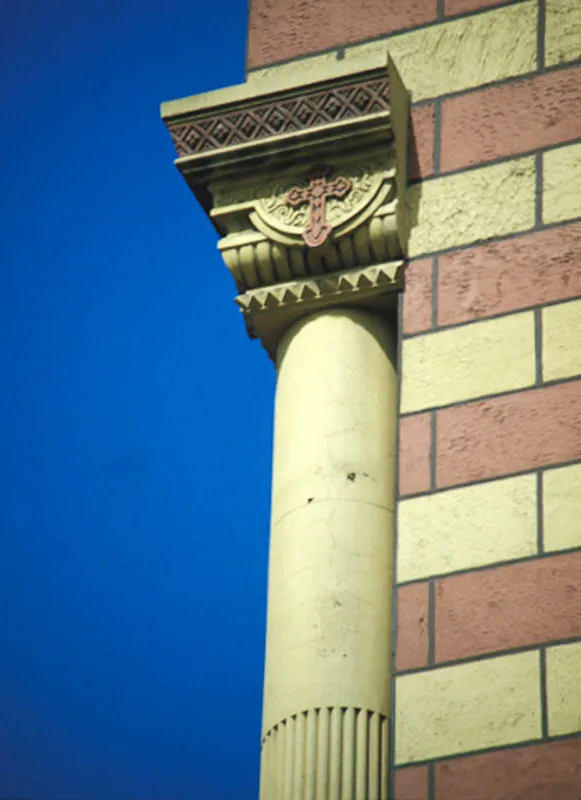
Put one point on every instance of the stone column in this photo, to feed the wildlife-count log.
(304, 182)
(328, 647)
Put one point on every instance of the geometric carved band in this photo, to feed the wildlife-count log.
(361, 282)
(269, 117)
(326, 753)
(270, 310)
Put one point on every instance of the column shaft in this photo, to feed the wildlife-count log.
(328, 650)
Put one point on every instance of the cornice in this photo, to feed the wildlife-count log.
(300, 181)
(269, 117)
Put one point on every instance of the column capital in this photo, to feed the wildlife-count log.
(304, 180)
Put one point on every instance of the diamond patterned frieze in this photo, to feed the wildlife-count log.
(273, 117)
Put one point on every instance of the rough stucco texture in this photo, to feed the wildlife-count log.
(508, 607)
(421, 142)
(280, 31)
(506, 120)
(462, 363)
(469, 206)
(471, 706)
(549, 771)
(495, 437)
(465, 528)
(563, 696)
(414, 454)
(562, 184)
(411, 783)
(562, 508)
(439, 59)
(464, 6)
(412, 626)
(506, 276)
(417, 298)
(563, 38)
(561, 337)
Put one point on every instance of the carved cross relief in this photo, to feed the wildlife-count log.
(296, 239)
(316, 194)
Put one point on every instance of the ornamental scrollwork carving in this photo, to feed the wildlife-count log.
(266, 206)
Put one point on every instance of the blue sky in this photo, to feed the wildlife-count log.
(135, 420)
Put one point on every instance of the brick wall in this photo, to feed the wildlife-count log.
(487, 695)
(488, 657)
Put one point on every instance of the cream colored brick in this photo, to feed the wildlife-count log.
(467, 527)
(450, 57)
(471, 206)
(563, 31)
(562, 183)
(473, 706)
(564, 688)
(464, 363)
(562, 340)
(562, 508)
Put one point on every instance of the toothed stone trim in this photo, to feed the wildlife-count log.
(270, 310)
(364, 282)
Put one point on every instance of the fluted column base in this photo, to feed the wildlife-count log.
(326, 754)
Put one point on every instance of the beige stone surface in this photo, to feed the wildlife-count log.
(563, 31)
(562, 340)
(472, 706)
(278, 80)
(329, 609)
(562, 508)
(450, 57)
(564, 689)
(471, 206)
(330, 565)
(562, 183)
(466, 528)
(463, 363)
(334, 432)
